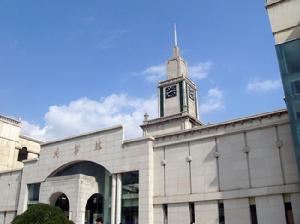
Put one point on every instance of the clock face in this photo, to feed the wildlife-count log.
(192, 93)
(170, 91)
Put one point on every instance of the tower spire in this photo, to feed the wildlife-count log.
(175, 35)
(176, 48)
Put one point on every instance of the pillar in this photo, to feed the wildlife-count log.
(118, 198)
(113, 198)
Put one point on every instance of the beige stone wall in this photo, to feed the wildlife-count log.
(251, 158)
(11, 142)
(9, 193)
(115, 154)
(237, 211)
(284, 27)
(207, 212)
(32, 145)
(270, 209)
(9, 137)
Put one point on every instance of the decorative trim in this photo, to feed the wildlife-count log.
(181, 95)
(161, 101)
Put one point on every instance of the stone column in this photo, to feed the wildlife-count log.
(113, 198)
(118, 201)
(107, 199)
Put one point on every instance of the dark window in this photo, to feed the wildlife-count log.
(253, 213)
(130, 197)
(165, 211)
(296, 108)
(221, 213)
(292, 56)
(296, 87)
(23, 154)
(33, 193)
(288, 209)
(192, 213)
(289, 213)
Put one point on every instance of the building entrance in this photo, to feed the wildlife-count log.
(63, 203)
(94, 208)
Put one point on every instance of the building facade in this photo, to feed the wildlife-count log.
(242, 171)
(286, 31)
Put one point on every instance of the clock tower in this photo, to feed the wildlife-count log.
(177, 94)
(177, 99)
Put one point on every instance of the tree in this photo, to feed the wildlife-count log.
(42, 214)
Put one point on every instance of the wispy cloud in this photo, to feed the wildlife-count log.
(200, 70)
(155, 73)
(213, 101)
(86, 114)
(263, 86)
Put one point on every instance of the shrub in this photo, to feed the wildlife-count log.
(42, 214)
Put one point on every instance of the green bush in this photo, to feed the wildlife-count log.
(42, 214)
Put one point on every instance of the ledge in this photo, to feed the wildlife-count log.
(228, 123)
(142, 139)
(273, 2)
(178, 116)
(30, 160)
(230, 194)
(83, 135)
(11, 171)
(10, 120)
(31, 139)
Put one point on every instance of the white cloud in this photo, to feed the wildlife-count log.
(213, 101)
(84, 115)
(198, 70)
(155, 73)
(266, 85)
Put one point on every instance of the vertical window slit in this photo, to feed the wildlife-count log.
(288, 209)
(221, 212)
(192, 212)
(165, 211)
(253, 214)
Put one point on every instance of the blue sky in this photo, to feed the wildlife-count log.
(71, 66)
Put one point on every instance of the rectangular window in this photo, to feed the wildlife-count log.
(288, 209)
(192, 212)
(296, 108)
(292, 56)
(130, 197)
(253, 213)
(33, 193)
(23, 154)
(165, 213)
(296, 87)
(221, 212)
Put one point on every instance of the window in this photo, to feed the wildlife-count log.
(130, 197)
(253, 214)
(192, 213)
(288, 209)
(296, 87)
(165, 212)
(221, 212)
(292, 56)
(23, 154)
(297, 110)
(33, 193)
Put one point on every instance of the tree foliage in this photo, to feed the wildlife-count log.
(42, 214)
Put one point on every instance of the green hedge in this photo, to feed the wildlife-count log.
(42, 214)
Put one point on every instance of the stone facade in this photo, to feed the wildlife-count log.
(232, 171)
